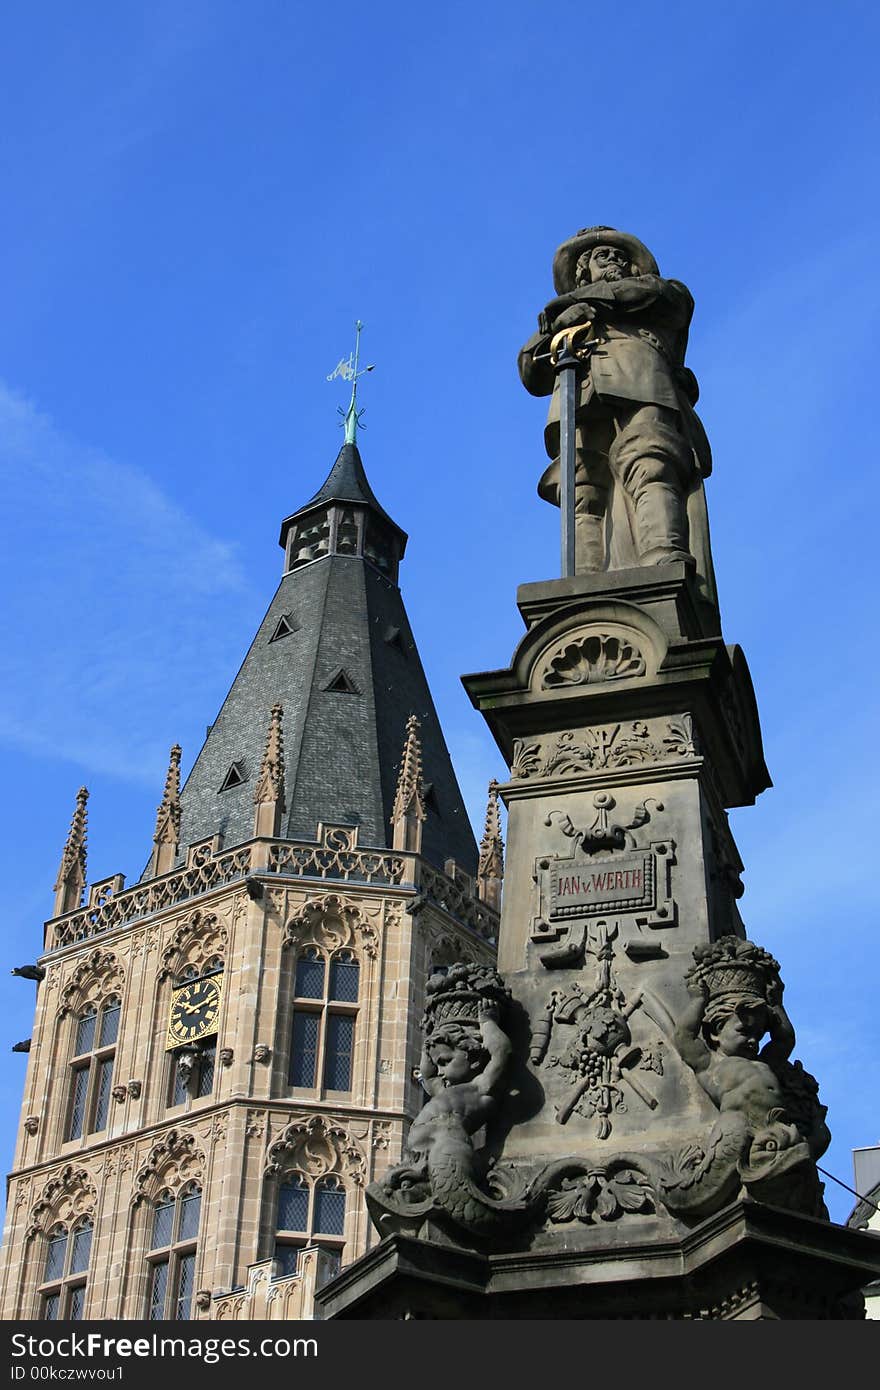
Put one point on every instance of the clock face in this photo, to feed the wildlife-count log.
(195, 1009)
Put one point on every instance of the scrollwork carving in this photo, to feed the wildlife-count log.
(317, 1145)
(331, 923)
(603, 746)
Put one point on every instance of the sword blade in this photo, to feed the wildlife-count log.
(567, 391)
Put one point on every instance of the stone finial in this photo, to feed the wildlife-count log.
(166, 840)
(71, 880)
(409, 801)
(269, 791)
(490, 874)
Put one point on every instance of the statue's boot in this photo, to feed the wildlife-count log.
(590, 507)
(661, 525)
(589, 543)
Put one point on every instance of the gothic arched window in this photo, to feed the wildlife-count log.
(65, 1270)
(309, 1213)
(172, 1255)
(91, 1068)
(325, 1011)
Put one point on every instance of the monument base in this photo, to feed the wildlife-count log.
(747, 1262)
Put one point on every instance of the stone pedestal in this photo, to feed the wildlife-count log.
(608, 1132)
(748, 1262)
(628, 729)
(618, 700)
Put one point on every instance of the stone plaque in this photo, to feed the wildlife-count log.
(582, 888)
(635, 883)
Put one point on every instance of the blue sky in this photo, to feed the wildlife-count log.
(200, 198)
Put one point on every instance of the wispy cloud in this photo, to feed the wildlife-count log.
(109, 590)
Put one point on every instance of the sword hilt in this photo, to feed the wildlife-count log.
(564, 344)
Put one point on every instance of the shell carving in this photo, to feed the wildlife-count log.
(600, 657)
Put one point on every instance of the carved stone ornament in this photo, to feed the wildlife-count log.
(99, 975)
(119, 1093)
(185, 1061)
(134, 1089)
(206, 868)
(337, 858)
(225, 1056)
(331, 923)
(32, 1124)
(67, 1196)
(196, 942)
(610, 871)
(262, 1053)
(592, 659)
(599, 747)
(203, 1299)
(592, 1043)
(276, 900)
(381, 1134)
(172, 1163)
(770, 1127)
(465, 1056)
(600, 1194)
(255, 1124)
(317, 1145)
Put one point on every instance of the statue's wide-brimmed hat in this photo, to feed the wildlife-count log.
(566, 258)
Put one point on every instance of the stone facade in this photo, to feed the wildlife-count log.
(393, 914)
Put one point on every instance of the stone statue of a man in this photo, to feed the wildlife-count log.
(641, 451)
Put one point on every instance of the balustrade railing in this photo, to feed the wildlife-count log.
(336, 858)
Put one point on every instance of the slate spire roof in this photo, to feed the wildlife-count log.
(335, 649)
(346, 482)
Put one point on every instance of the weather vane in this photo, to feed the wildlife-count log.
(347, 368)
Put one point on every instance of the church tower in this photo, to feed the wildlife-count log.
(223, 1054)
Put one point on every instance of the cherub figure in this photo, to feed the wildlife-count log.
(770, 1124)
(719, 1038)
(459, 1069)
(464, 1056)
